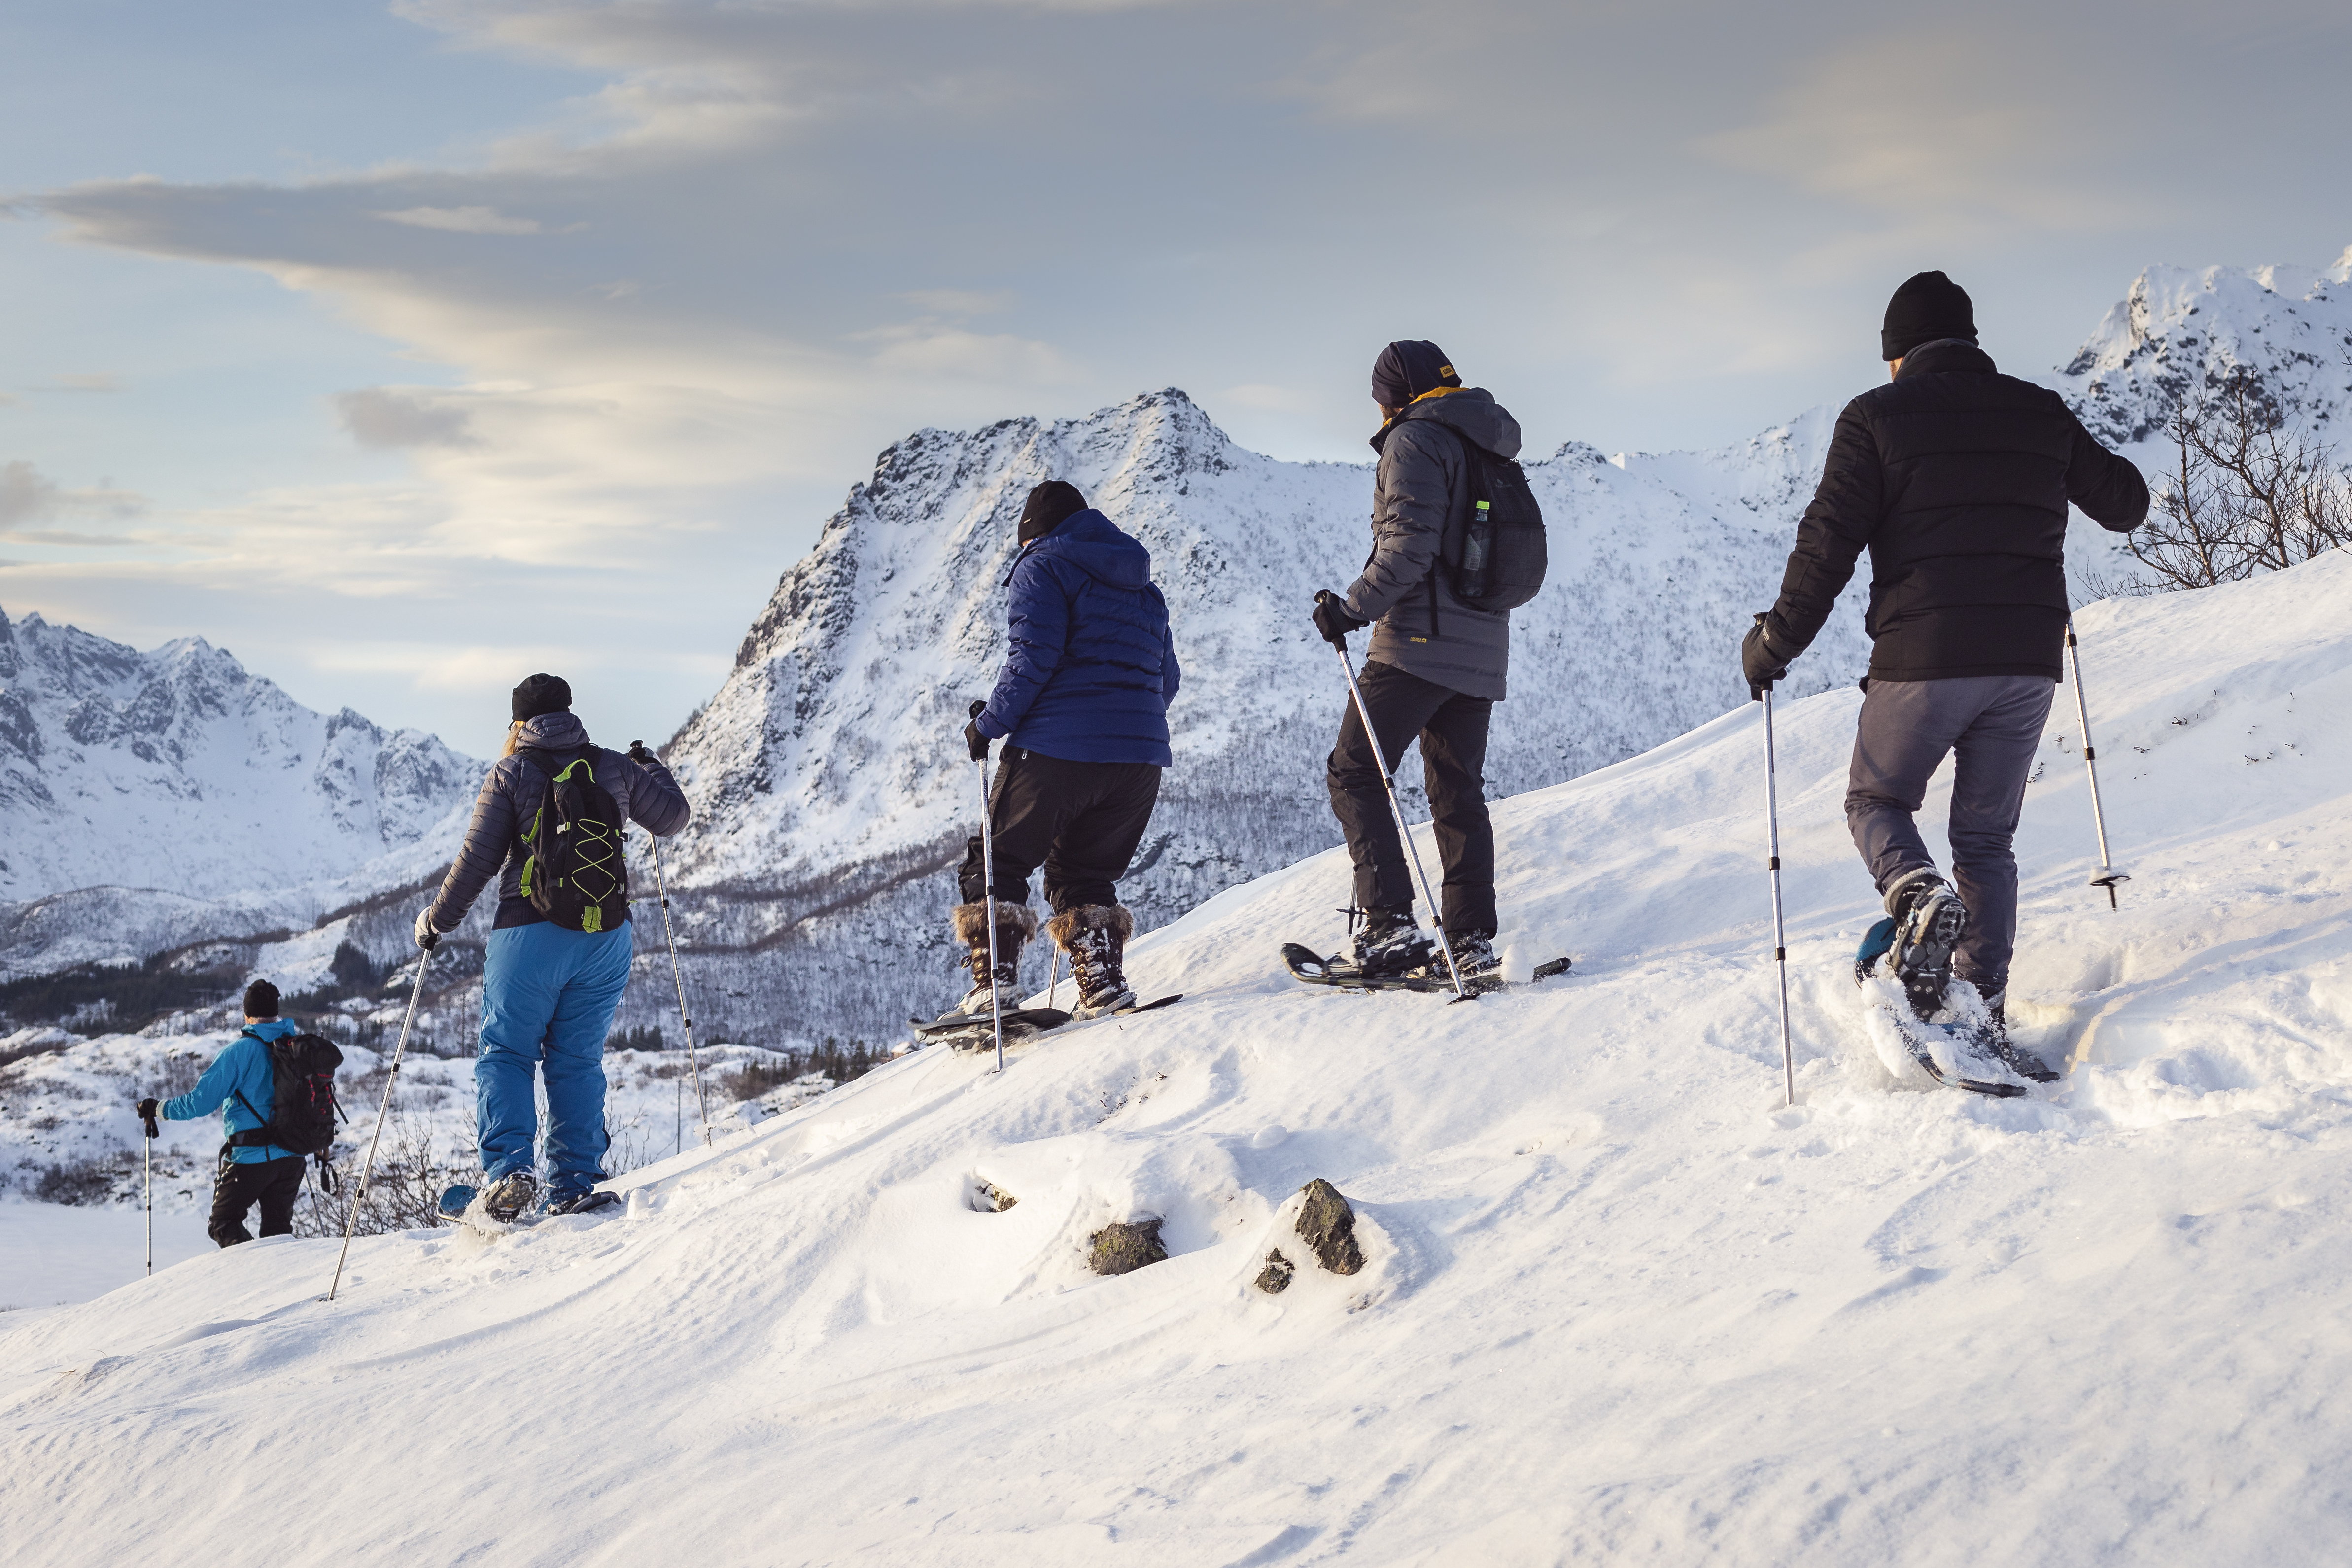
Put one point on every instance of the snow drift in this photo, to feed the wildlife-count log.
(1618, 1300)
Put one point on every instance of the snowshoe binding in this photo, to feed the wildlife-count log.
(1390, 942)
(2013, 1055)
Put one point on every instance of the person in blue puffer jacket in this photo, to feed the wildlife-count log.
(1083, 701)
(239, 1086)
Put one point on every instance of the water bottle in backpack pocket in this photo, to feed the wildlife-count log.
(1496, 558)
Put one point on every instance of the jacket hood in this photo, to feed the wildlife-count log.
(1092, 543)
(1472, 410)
(554, 732)
(273, 1029)
(1946, 354)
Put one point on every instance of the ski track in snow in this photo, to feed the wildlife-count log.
(1620, 1301)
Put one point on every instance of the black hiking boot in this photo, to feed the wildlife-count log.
(510, 1196)
(1474, 951)
(1016, 924)
(2014, 1057)
(1391, 943)
(1929, 921)
(1095, 936)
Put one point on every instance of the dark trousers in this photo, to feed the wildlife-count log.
(1453, 730)
(1081, 821)
(273, 1183)
(1989, 725)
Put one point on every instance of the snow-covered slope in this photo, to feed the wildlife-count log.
(1620, 1302)
(177, 773)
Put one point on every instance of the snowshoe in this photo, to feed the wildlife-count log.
(1870, 961)
(1337, 972)
(584, 1203)
(1995, 1038)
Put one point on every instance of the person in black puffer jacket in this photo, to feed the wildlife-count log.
(1957, 480)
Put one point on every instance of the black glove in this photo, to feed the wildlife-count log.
(1759, 661)
(638, 754)
(147, 1115)
(1332, 620)
(973, 737)
(426, 937)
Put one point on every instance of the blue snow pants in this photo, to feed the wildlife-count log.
(547, 995)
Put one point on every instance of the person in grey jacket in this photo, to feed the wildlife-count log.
(1435, 667)
(548, 992)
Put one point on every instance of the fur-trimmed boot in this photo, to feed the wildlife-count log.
(1095, 936)
(1016, 924)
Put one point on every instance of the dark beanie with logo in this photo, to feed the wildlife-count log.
(1050, 505)
(261, 1000)
(1928, 306)
(541, 694)
(1408, 368)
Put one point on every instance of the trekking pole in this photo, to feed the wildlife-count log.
(1054, 977)
(988, 895)
(153, 1132)
(368, 1166)
(1779, 930)
(1461, 992)
(702, 1101)
(2106, 876)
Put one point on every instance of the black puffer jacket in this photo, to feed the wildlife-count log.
(516, 786)
(1422, 487)
(1956, 478)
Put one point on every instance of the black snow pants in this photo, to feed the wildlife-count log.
(1453, 730)
(1081, 821)
(273, 1183)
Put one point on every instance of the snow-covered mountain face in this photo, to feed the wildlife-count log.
(176, 772)
(2178, 331)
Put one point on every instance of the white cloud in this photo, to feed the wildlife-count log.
(463, 220)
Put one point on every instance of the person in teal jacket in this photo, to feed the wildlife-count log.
(238, 1085)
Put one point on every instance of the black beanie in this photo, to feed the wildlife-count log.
(541, 694)
(1050, 505)
(1928, 306)
(261, 1000)
(1406, 369)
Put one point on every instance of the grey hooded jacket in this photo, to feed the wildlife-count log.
(516, 785)
(1421, 486)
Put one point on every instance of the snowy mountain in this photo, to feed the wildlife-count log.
(154, 797)
(1618, 1302)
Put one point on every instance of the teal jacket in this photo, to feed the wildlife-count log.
(239, 1080)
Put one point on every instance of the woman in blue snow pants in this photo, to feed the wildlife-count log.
(548, 992)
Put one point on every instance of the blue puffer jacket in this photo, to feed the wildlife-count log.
(239, 1085)
(1092, 668)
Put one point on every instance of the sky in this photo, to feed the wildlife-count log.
(404, 350)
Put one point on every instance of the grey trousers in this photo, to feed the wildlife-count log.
(1991, 726)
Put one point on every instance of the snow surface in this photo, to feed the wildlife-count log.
(1620, 1301)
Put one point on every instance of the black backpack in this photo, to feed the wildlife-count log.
(302, 1108)
(573, 872)
(1494, 557)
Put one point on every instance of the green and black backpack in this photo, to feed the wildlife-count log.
(572, 871)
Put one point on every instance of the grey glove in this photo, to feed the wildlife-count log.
(426, 937)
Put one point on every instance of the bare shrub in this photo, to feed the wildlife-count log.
(2247, 493)
(78, 1181)
(404, 1191)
